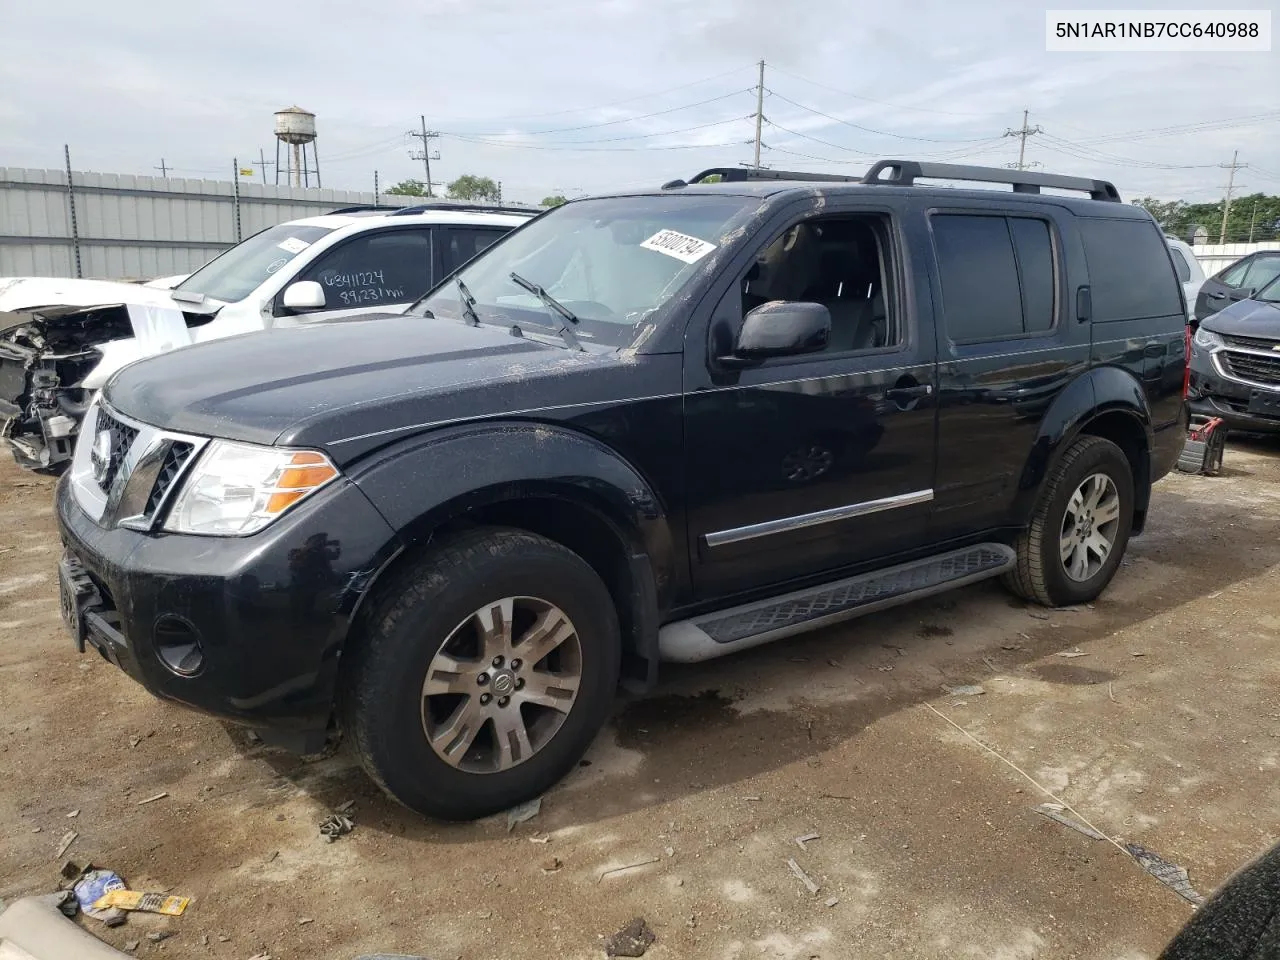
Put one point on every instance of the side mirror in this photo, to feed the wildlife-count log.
(303, 296)
(781, 328)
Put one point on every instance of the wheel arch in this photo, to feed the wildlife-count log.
(1106, 402)
(545, 479)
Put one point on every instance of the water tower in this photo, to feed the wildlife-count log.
(296, 128)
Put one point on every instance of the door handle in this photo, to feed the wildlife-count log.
(909, 393)
(1217, 296)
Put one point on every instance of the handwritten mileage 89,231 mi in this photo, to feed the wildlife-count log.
(354, 298)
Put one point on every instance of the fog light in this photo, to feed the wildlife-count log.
(177, 644)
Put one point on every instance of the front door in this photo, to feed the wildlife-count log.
(807, 464)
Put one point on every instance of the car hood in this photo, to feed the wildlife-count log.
(353, 384)
(1246, 318)
(31, 294)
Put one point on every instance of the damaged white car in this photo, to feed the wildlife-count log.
(60, 340)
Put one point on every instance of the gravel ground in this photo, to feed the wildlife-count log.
(1162, 727)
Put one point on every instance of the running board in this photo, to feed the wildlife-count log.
(727, 631)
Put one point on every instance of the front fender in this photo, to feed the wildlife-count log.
(1095, 393)
(424, 482)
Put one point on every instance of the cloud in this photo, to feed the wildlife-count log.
(131, 82)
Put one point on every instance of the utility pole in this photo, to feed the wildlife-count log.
(164, 170)
(1253, 219)
(1233, 166)
(426, 136)
(759, 113)
(1022, 135)
(262, 162)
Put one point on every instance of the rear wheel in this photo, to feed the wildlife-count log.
(1080, 529)
(485, 674)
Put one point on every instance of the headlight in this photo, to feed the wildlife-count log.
(1208, 339)
(237, 488)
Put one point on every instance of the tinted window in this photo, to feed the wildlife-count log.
(465, 243)
(1232, 276)
(1130, 276)
(374, 269)
(997, 276)
(1180, 265)
(1035, 267)
(1261, 272)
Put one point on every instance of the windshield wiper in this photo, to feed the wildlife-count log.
(467, 302)
(555, 306)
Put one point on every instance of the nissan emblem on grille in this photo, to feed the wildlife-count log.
(100, 454)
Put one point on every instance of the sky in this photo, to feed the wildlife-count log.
(586, 97)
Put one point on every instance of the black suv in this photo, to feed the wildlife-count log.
(662, 425)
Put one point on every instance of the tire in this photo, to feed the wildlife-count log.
(1041, 573)
(435, 609)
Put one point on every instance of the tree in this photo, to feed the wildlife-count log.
(554, 200)
(1254, 217)
(409, 188)
(470, 187)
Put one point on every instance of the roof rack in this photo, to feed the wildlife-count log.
(358, 208)
(903, 173)
(463, 206)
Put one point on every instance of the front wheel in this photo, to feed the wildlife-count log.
(1080, 529)
(484, 675)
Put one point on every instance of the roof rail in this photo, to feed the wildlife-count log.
(462, 206)
(742, 174)
(903, 173)
(357, 208)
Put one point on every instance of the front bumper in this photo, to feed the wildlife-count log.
(1213, 394)
(270, 612)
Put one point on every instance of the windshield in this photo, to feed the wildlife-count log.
(238, 272)
(1270, 293)
(611, 263)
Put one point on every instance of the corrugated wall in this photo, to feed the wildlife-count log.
(137, 228)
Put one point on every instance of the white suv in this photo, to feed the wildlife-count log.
(61, 339)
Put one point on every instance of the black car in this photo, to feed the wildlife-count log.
(1235, 364)
(1237, 282)
(662, 425)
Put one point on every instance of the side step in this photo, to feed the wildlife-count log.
(727, 631)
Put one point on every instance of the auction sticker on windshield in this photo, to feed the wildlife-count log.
(678, 245)
(292, 245)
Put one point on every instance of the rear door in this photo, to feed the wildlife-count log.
(1008, 344)
(458, 244)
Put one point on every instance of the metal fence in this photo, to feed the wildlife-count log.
(118, 226)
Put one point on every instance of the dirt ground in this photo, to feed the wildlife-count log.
(1164, 730)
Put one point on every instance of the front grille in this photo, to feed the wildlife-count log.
(1253, 367)
(122, 436)
(175, 459)
(1250, 343)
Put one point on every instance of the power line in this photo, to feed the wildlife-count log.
(615, 103)
(568, 148)
(882, 103)
(883, 133)
(633, 136)
(1083, 152)
(1225, 123)
(610, 123)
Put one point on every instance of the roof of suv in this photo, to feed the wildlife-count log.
(460, 214)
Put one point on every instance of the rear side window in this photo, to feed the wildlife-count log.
(1130, 275)
(997, 276)
(1261, 272)
(1180, 265)
(1234, 274)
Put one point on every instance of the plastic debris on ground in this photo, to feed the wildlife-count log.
(92, 886)
(1051, 811)
(523, 812)
(631, 941)
(132, 900)
(1170, 874)
(334, 826)
(968, 690)
(803, 877)
(1071, 653)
